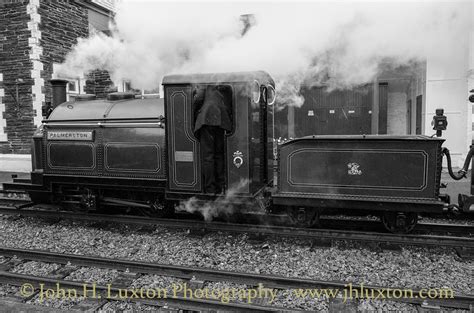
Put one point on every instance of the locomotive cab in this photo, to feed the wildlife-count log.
(247, 147)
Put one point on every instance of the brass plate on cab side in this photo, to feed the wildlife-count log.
(183, 156)
(71, 135)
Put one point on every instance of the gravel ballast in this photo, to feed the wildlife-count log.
(99, 276)
(35, 268)
(411, 267)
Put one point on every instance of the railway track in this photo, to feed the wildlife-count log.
(197, 276)
(421, 227)
(16, 198)
(464, 245)
(14, 193)
(14, 202)
(21, 200)
(111, 293)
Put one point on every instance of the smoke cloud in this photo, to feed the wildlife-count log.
(335, 44)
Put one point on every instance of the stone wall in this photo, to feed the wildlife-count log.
(16, 69)
(34, 34)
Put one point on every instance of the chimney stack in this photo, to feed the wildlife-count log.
(59, 91)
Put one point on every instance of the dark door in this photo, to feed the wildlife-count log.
(184, 166)
(340, 112)
(409, 116)
(383, 103)
(418, 114)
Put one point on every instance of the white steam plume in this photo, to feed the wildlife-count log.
(223, 205)
(338, 44)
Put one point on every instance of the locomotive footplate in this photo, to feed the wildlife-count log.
(362, 203)
(204, 197)
(23, 186)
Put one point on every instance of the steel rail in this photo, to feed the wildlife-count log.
(10, 305)
(425, 227)
(445, 227)
(13, 201)
(22, 194)
(347, 224)
(280, 231)
(208, 274)
(113, 293)
(332, 223)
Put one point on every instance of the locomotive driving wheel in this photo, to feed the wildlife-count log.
(160, 208)
(303, 217)
(88, 200)
(399, 222)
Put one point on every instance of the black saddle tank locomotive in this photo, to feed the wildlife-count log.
(142, 153)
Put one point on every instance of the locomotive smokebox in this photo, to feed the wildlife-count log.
(59, 91)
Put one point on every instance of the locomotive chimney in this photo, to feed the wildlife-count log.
(248, 21)
(59, 91)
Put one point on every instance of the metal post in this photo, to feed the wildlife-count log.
(472, 171)
(375, 108)
(291, 122)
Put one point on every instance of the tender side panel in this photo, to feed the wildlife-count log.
(184, 169)
(361, 169)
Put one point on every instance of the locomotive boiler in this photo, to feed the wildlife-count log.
(142, 154)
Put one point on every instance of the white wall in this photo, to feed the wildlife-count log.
(15, 163)
(396, 113)
(470, 73)
(447, 87)
(398, 93)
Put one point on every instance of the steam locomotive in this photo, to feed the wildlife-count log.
(123, 152)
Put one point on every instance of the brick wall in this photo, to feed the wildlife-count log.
(62, 22)
(34, 34)
(16, 64)
(99, 83)
(3, 135)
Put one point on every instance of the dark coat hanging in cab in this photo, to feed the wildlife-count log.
(213, 107)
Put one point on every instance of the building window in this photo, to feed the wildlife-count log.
(127, 86)
(72, 86)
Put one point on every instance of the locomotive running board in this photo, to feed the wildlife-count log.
(362, 203)
(116, 201)
(23, 187)
(234, 198)
(181, 196)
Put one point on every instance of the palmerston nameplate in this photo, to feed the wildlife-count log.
(71, 135)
